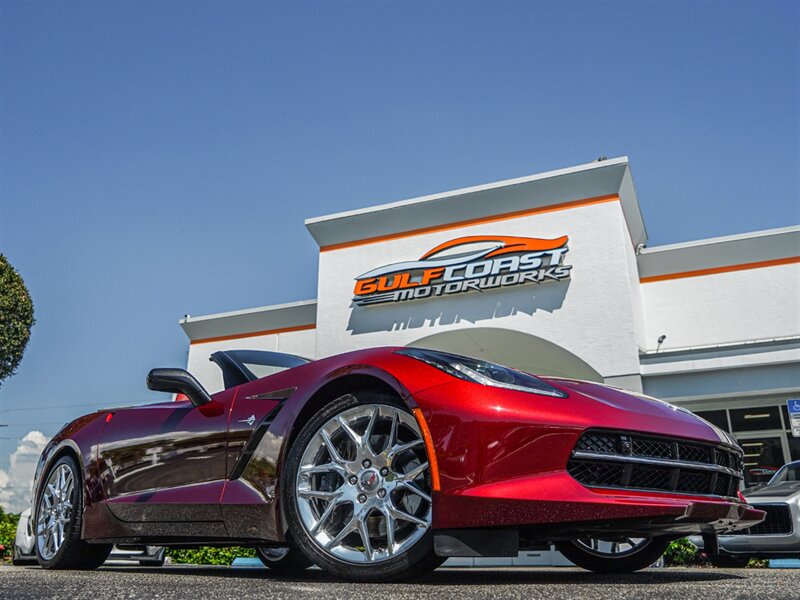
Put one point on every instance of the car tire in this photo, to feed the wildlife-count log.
(363, 490)
(729, 561)
(639, 557)
(58, 518)
(283, 560)
(19, 560)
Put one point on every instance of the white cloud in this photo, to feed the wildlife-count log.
(16, 483)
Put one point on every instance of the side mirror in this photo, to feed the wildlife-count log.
(178, 381)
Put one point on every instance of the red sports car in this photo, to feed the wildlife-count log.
(379, 464)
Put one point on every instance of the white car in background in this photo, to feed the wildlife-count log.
(778, 536)
(24, 552)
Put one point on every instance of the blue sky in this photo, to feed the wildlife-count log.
(159, 158)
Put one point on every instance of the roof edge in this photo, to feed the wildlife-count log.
(467, 190)
(723, 238)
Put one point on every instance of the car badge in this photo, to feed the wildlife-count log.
(249, 420)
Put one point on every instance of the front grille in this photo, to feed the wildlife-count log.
(644, 462)
(777, 522)
(597, 474)
(599, 442)
(693, 453)
(652, 478)
(650, 447)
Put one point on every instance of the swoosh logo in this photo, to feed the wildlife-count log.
(505, 244)
(500, 244)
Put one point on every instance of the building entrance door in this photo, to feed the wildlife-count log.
(763, 456)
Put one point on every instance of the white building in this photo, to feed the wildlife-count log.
(713, 325)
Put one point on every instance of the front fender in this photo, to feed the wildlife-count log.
(80, 439)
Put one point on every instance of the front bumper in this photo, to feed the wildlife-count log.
(503, 459)
(554, 506)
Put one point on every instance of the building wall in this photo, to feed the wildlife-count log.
(592, 315)
(751, 304)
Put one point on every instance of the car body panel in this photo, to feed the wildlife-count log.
(782, 496)
(176, 473)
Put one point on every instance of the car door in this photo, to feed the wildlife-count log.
(165, 462)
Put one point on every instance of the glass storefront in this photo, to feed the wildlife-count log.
(764, 434)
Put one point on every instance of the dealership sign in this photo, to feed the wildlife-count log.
(466, 264)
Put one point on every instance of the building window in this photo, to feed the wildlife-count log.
(756, 419)
(762, 459)
(794, 446)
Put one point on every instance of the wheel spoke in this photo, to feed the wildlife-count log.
(370, 427)
(389, 531)
(413, 473)
(399, 514)
(397, 450)
(350, 432)
(345, 531)
(334, 453)
(363, 531)
(48, 540)
(318, 494)
(415, 490)
(324, 468)
(325, 514)
(393, 431)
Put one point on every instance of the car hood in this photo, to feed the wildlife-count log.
(630, 410)
(779, 490)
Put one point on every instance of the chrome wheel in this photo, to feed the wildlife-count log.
(55, 511)
(612, 548)
(362, 487)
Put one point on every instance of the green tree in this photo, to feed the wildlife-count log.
(16, 318)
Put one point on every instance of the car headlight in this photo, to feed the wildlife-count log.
(482, 372)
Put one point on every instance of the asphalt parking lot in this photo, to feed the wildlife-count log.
(192, 582)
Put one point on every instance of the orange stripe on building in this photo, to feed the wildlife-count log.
(239, 336)
(477, 221)
(741, 267)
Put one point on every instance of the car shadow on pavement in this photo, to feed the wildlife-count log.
(455, 577)
(539, 575)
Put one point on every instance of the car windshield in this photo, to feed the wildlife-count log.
(790, 472)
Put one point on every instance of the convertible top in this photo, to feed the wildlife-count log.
(237, 365)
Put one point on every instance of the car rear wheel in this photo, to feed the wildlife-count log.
(283, 559)
(59, 513)
(357, 490)
(623, 555)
